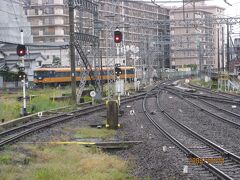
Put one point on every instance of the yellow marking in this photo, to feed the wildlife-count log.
(106, 125)
(199, 161)
(81, 143)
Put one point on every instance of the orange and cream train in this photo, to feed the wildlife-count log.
(56, 76)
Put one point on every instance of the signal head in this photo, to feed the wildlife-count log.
(118, 71)
(21, 50)
(117, 36)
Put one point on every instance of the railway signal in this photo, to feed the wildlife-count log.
(21, 50)
(117, 36)
(22, 75)
(118, 70)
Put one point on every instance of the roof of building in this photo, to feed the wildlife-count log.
(203, 7)
(36, 46)
(28, 57)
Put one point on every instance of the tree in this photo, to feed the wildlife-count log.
(56, 61)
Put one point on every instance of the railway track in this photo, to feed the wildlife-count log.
(194, 145)
(16, 133)
(218, 113)
(222, 94)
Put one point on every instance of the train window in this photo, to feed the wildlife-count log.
(110, 72)
(96, 73)
(41, 73)
(52, 74)
(130, 71)
(62, 74)
(77, 73)
(104, 72)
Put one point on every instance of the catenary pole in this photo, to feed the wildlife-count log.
(72, 50)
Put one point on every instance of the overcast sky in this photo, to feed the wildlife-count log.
(232, 11)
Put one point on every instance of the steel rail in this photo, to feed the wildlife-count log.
(218, 99)
(183, 148)
(205, 96)
(41, 126)
(218, 93)
(220, 150)
(235, 124)
(218, 108)
(35, 126)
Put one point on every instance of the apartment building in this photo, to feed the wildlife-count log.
(12, 20)
(133, 20)
(194, 43)
(49, 20)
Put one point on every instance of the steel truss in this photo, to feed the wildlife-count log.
(83, 40)
(185, 22)
(87, 5)
(87, 38)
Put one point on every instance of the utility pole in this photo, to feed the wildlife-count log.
(72, 50)
(223, 55)
(228, 50)
(218, 51)
(147, 62)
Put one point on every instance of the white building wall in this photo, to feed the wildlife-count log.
(49, 54)
(189, 47)
(12, 20)
(59, 20)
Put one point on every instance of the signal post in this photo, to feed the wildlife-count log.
(113, 106)
(21, 51)
(118, 39)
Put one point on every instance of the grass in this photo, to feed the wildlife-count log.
(61, 162)
(94, 133)
(10, 107)
(202, 83)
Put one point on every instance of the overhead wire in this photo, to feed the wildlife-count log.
(15, 14)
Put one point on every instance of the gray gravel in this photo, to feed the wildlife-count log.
(227, 106)
(147, 159)
(211, 128)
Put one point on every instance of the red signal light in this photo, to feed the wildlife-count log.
(21, 50)
(117, 36)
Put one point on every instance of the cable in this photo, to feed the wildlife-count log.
(227, 3)
(65, 46)
(15, 13)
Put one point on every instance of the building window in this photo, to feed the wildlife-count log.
(52, 39)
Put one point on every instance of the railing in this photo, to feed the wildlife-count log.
(180, 74)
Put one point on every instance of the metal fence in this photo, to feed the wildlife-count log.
(178, 74)
(1, 81)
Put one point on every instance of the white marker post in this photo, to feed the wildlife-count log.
(92, 94)
(138, 85)
(40, 114)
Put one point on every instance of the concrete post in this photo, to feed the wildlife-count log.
(112, 114)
